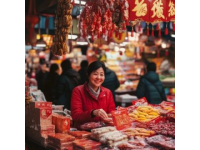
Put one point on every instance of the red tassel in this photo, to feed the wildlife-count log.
(174, 26)
(92, 37)
(113, 26)
(99, 35)
(103, 30)
(159, 33)
(127, 22)
(110, 33)
(120, 53)
(158, 26)
(120, 35)
(132, 34)
(96, 52)
(147, 31)
(139, 28)
(73, 3)
(152, 32)
(116, 34)
(166, 31)
(166, 53)
(124, 26)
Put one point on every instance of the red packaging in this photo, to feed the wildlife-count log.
(41, 105)
(167, 104)
(61, 138)
(140, 102)
(121, 119)
(85, 144)
(62, 124)
(43, 116)
(80, 134)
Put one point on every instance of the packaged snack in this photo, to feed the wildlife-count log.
(91, 125)
(60, 138)
(86, 144)
(80, 134)
(62, 124)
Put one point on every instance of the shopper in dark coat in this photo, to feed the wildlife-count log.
(111, 82)
(41, 76)
(83, 71)
(150, 86)
(66, 83)
(50, 91)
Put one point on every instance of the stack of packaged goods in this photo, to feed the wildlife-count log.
(60, 141)
(86, 144)
(80, 134)
(39, 121)
(62, 123)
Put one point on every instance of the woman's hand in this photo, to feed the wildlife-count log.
(100, 113)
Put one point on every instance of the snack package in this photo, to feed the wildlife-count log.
(162, 141)
(62, 124)
(91, 125)
(121, 119)
(80, 134)
(86, 144)
(138, 132)
(140, 102)
(60, 138)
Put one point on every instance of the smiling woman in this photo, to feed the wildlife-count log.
(91, 101)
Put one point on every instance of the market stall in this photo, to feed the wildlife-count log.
(139, 126)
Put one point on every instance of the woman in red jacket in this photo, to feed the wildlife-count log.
(91, 102)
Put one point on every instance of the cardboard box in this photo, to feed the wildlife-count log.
(43, 116)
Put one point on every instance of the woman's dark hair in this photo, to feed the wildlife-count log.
(151, 66)
(66, 64)
(94, 66)
(53, 68)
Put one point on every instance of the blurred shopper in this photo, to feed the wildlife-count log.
(150, 86)
(41, 76)
(83, 71)
(51, 81)
(111, 82)
(68, 80)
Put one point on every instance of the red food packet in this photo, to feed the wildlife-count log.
(62, 124)
(140, 102)
(121, 119)
(80, 134)
(84, 144)
(60, 138)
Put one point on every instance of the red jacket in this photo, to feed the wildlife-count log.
(83, 102)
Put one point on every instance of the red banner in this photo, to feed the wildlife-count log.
(157, 11)
(170, 13)
(139, 10)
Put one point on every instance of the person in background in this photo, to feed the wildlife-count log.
(68, 80)
(83, 71)
(92, 102)
(111, 82)
(51, 83)
(150, 86)
(41, 76)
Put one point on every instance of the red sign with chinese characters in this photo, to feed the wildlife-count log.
(170, 13)
(139, 10)
(157, 11)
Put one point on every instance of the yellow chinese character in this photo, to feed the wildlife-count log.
(140, 8)
(157, 9)
(171, 11)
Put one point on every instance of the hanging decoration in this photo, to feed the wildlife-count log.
(63, 24)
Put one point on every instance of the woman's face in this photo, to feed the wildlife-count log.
(96, 78)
